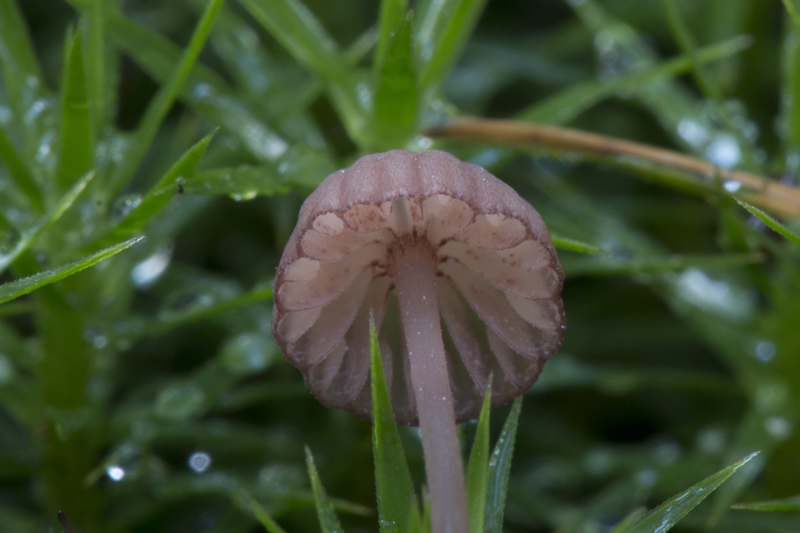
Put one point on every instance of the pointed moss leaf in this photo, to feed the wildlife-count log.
(445, 29)
(426, 511)
(76, 152)
(153, 202)
(566, 372)
(629, 520)
(94, 25)
(670, 512)
(791, 78)
(683, 37)
(328, 521)
(584, 266)
(499, 468)
(415, 521)
(792, 10)
(161, 103)
(261, 515)
(45, 222)
(240, 183)
(478, 468)
(301, 167)
(138, 328)
(786, 504)
(566, 105)
(15, 289)
(390, 18)
(18, 63)
(295, 27)
(204, 91)
(770, 222)
(396, 95)
(665, 100)
(396, 500)
(753, 433)
(574, 245)
(18, 173)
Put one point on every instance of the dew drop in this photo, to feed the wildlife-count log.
(724, 151)
(145, 273)
(115, 472)
(6, 369)
(125, 204)
(199, 462)
(248, 353)
(179, 402)
(732, 185)
(778, 427)
(765, 351)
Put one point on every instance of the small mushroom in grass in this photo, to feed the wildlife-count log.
(462, 278)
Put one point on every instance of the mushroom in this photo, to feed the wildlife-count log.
(426, 241)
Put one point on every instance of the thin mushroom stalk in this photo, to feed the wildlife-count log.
(464, 265)
(412, 267)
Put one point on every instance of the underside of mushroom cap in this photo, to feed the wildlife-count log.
(498, 281)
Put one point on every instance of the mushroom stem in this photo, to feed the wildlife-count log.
(412, 266)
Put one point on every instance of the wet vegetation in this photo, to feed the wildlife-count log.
(153, 158)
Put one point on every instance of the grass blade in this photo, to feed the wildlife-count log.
(671, 511)
(786, 504)
(162, 102)
(204, 91)
(18, 173)
(790, 63)
(574, 245)
(31, 235)
(328, 521)
(704, 82)
(683, 37)
(294, 26)
(499, 468)
(792, 10)
(770, 222)
(568, 104)
(478, 467)
(591, 266)
(396, 498)
(269, 87)
(629, 521)
(76, 153)
(261, 515)
(390, 18)
(18, 62)
(20, 287)
(668, 101)
(95, 65)
(153, 202)
(136, 329)
(300, 167)
(751, 434)
(455, 21)
(396, 95)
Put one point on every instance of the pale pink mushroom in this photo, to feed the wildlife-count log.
(466, 276)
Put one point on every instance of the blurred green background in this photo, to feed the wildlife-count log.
(145, 393)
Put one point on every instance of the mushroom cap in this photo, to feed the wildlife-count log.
(498, 281)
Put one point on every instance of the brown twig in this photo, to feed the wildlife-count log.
(767, 193)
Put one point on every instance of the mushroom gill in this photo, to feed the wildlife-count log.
(498, 280)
